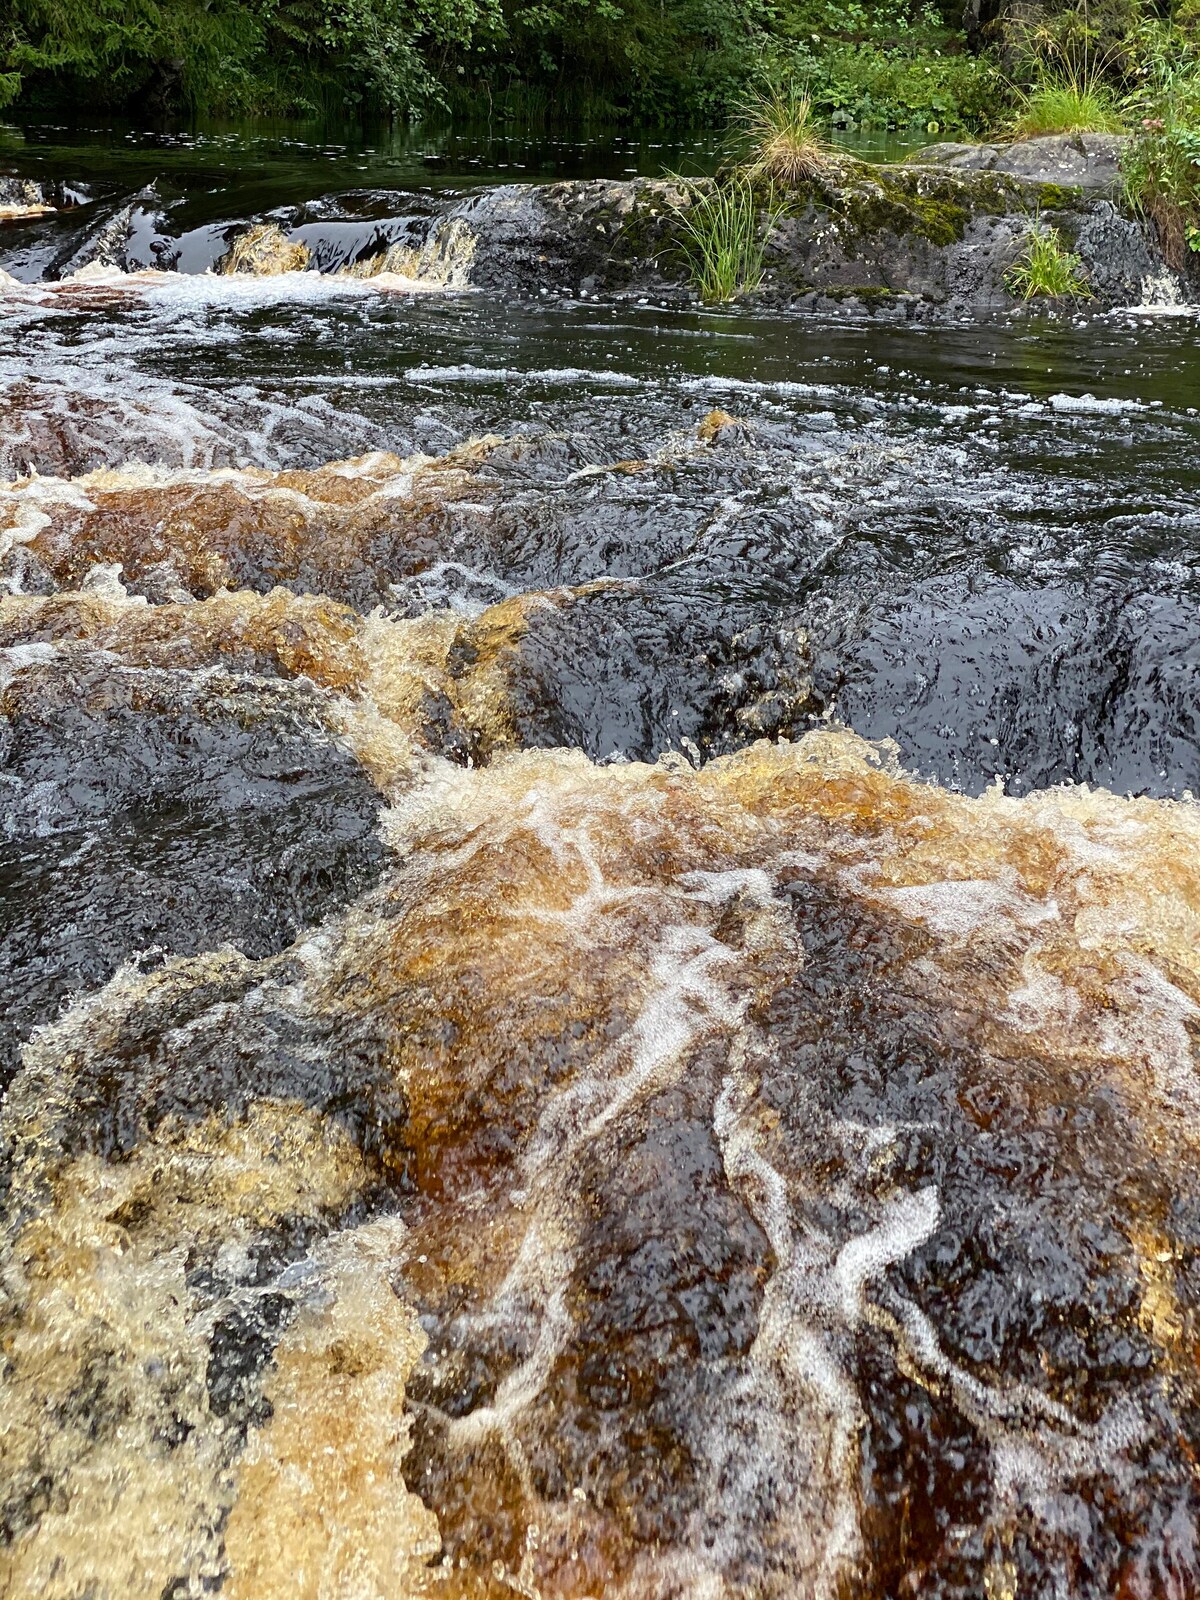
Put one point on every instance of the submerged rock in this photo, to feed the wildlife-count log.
(738, 581)
(633, 669)
(1097, 685)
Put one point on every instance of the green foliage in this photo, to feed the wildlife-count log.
(234, 54)
(864, 64)
(117, 43)
(872, 63)
(884, 64)
(785, 143)
(1046, 268)
(1058, 105)
(653, 60)
(867, 86)
(723, 234)
(1161, 168)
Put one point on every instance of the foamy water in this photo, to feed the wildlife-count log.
(509, 1090)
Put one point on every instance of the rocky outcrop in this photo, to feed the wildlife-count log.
(1083, 160)
(946, 236)
(934, 234)
(591, 235)
(941, 231)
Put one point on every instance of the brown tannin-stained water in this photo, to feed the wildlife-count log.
(600, 926)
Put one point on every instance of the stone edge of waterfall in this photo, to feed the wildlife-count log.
(934, 235)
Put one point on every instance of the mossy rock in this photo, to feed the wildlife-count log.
(907, 202)
(856, 232)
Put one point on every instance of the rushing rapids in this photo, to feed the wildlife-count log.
(601, 951)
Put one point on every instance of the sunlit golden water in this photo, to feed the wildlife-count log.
(772, 1179)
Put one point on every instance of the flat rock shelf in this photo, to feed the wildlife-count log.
(931, 236)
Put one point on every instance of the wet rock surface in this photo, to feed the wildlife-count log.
(724, 1211)
(742, 579)
(147, 815)
(939, 231)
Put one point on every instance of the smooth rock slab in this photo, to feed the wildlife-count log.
(1080, 160)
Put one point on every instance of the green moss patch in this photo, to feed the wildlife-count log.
(911, 202)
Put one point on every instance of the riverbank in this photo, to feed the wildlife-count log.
(937, 233)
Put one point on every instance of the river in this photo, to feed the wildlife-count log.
(600, 909)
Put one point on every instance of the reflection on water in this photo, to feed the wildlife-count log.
(230, 168)
(258, 163)
(511, 1092)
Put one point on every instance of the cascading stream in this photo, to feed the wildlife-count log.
(599, 913)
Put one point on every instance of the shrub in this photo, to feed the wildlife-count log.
(234, 54)
(898, 86)
(723, 235)
(1161, 167)
(1045, 268)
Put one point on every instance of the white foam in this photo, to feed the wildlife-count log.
(1092, 405)
(16, 658)
(908, 1220)
(107, 408)
(468, 373)
(960, 907)
(785, 386)
(1162, 295)
(177, 291)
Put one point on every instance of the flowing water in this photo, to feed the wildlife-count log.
(600, 911)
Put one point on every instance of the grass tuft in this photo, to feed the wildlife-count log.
(1063, 104)
(1046, 269)
(786, 145)
(1070, 88)
(723, 237)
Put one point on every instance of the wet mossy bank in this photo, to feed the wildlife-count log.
(899, 238)
(941, 231)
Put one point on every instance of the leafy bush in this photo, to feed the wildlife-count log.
(866, 86)
(1046, 268)
(657, 61)
(883, 64)
(874, 63)
(1161, 167)
(234, 54)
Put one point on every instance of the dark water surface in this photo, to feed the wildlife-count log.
(270, 163)
(541, 1059)
(988, 532)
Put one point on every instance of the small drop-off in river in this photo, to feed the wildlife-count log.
(600, 909)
